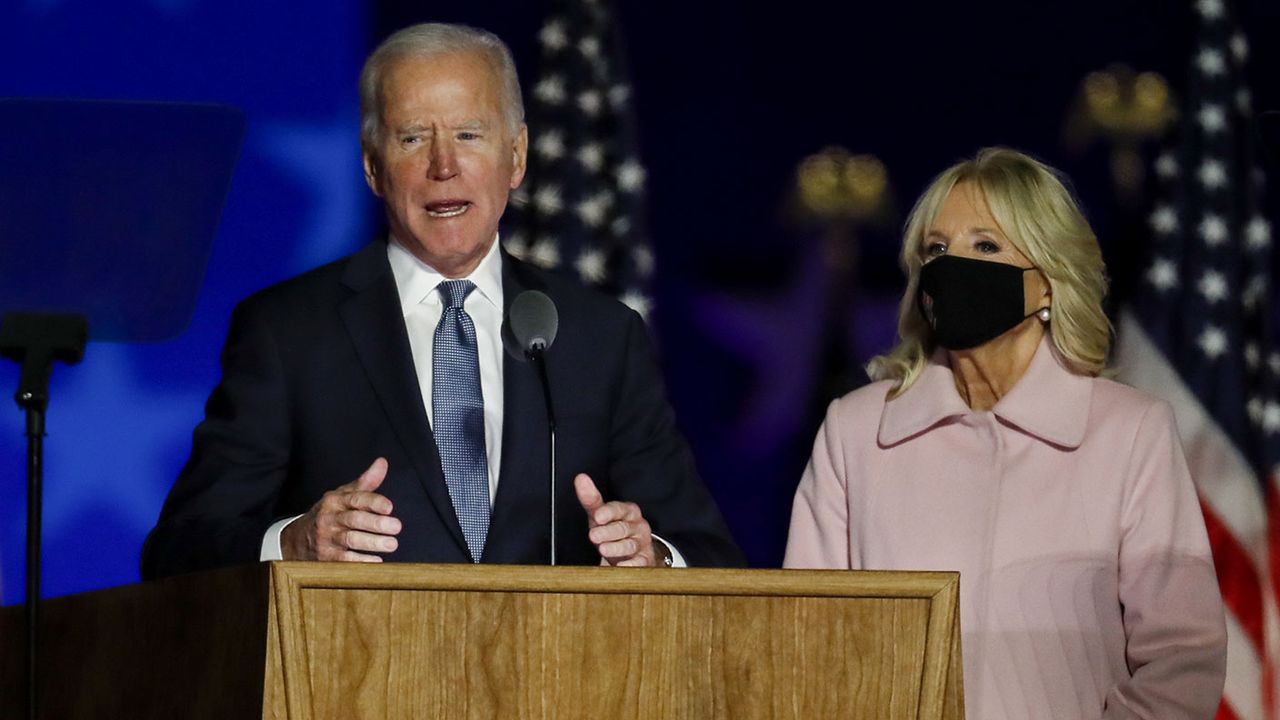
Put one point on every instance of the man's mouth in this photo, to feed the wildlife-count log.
(447, 208)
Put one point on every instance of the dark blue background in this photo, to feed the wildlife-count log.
(730, 97)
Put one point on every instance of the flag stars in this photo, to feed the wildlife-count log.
(1209, 9)
(631, 176)
(620, 227)
(637, 301)
(1164, 220)
(1211, 62)
(549, 145)
(552, 36)
(1167, 166)
(1163, 274)
(1213, 341)
(589, 47)
(594, 210)
(1213, 174)
(642, 255)
(1257, 234)
(550, 90)
(545, 253)
(619, 95)
(1213, 286)
(1239, 47)
(1254, 293)
(589, 102)
(516, 244)
(591, 266)
(547, 200)
(1213, 119)
(1252, 356)
(1271, 417)
(1244, 101)
(591, 156)
(1254, 409)
(1213, 230)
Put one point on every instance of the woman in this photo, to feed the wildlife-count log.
(990, 445)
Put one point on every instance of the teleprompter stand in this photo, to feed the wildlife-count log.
(103, 238)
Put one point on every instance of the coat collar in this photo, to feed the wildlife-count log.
(1049, 402)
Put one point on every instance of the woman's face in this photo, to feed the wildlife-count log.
(966, 228)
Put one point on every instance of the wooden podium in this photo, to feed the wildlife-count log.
(333, 641)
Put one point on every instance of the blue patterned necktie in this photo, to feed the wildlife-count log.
(458, 415)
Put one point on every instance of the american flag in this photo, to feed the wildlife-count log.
(1200, 336)
(581, 207)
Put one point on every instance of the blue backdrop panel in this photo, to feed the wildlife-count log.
(120, 423)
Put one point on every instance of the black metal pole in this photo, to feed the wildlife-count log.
(539, 362)
(35, 461)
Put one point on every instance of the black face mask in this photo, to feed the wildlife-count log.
(974, 301)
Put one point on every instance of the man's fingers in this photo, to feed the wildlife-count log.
(366, 542)
(620, 550)
(372, 478)
(352, 556)
(615, 512)
(610, 532)
(370, 501)
(588, 496)
(370, 522)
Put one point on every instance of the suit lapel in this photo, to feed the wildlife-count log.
(374, 319)
(519, 527)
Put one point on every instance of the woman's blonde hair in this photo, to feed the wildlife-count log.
(1034, 209)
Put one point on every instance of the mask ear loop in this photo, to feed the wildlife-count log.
(1043, 313)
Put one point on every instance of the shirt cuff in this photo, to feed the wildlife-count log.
(271, 540)
(677, 560)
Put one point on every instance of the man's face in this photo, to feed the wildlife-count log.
(446, 159)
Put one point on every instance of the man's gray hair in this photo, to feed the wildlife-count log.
(430, 40)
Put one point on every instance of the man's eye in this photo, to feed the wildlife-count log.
(410, 140)
(468, 136)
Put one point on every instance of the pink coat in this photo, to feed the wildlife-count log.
(1086, 585)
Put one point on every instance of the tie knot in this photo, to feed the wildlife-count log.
(455, 292)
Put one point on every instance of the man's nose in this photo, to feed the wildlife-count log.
(444, 159)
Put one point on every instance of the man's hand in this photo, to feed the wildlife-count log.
(346, 524)
(617, 529)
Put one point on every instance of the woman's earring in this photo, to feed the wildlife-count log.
(1043, 314)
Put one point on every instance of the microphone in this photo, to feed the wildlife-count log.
(532, 322)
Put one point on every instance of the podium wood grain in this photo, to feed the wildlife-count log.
(321, 641)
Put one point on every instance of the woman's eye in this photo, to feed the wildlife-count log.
(987, 247)
(935, 249)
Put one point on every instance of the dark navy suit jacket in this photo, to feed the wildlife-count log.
(318, 380)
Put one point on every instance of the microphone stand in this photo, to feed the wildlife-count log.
(535, 355)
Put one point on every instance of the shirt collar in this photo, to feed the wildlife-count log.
(416, 281)
(1049, 402)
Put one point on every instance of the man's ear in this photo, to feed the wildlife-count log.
(519, 156)
(371, 172)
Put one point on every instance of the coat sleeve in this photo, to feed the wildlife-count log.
(1175, 633)
(820, 532)
(224, 499)
(651, 465)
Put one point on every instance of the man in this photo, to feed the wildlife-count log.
(367, 409)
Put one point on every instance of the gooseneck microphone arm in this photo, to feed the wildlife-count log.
(540, 364)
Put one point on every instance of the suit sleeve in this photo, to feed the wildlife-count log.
(651, 465)
(1172, 611)
(819, 535)
(224, 499)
